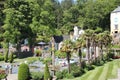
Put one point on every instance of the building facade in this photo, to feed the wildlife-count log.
(115, 21)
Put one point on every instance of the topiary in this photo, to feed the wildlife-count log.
(46, 73)
(23, 72)
(6, 57)
(11, 58)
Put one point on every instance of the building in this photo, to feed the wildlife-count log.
(115, 24)
(115, 21)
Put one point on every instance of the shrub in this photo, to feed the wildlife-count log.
(2, 74)
(59, 75)
(76, 70)
(1, 58)
(90, 67)
(64, 72)
(60, 54)
(37, 75)
(47, 60)
(38, 52)
(23, 72)
(46, 73)
(6, 57)
(110, 55)
(11, 58)
(98, 61)
(83, 64)
(69, 76)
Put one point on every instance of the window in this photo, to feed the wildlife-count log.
(116, 27)
(116, 31)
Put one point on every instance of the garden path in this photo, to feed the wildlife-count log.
(12, 77)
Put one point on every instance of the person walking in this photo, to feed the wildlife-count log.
(10, 68)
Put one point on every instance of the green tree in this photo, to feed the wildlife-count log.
(79, 43)
(46, 73)
(18, 18)
(95, 13)
(88, 35)
(67, 48)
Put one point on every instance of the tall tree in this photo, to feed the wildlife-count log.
(67, 48)
(17, 22)
(79, 44)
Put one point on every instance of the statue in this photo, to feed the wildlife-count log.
(75, 33)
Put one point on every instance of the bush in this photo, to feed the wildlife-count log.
(98, 62)
(46, 73)
(47, 60)
(110, 55)
(90, 67)
(23, 72)
(6, 57)
(1, 58)
(59, 75)
(64, 72)
(11, 58)
(2, 74)
(60, 54)
(37, 75)
(83, 64)
(69, 76)
(76, 70)
(38, 52)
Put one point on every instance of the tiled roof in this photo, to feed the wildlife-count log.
(116, 10)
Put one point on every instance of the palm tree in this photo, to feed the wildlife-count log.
(67, 48)
(107, 39)
(80, 42)
(100, 37)
(88, 35)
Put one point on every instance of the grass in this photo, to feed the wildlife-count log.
(105, 72)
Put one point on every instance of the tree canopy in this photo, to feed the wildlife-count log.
(38, 20)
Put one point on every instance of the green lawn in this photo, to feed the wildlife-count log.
(107, 71)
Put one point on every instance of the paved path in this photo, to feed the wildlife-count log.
(12, 77)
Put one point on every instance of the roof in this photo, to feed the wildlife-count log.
(58, 39)
(116, 10)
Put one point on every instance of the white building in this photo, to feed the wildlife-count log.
(115, 21)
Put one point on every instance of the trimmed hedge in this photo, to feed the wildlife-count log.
(23, 72)
(11, 58)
